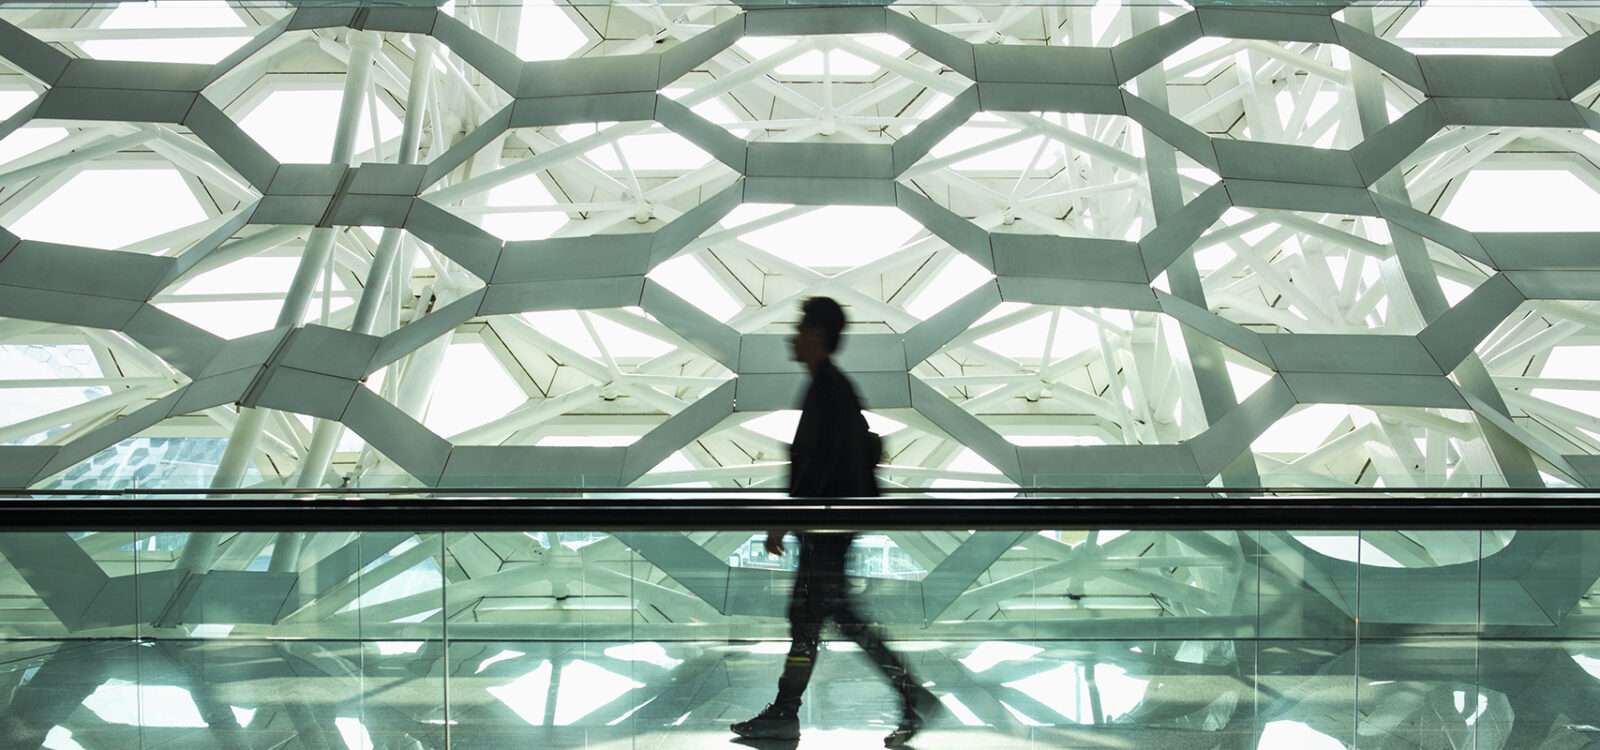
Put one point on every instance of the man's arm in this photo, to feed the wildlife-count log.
(775, 542)
(834, 414)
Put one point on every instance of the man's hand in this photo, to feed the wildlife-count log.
(775, 543)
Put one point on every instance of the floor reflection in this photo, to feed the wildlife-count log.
(259, 695)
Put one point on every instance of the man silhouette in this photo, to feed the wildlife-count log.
(829, 458)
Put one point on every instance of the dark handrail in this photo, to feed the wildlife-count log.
(480, 510)
(502, 490)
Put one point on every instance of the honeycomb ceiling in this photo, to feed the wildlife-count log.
(561, 245)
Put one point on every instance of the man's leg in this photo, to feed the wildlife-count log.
(807, 609)
(866, 635)
(917, 704)
(780, 719)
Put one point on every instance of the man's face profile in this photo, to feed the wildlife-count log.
(806, 345)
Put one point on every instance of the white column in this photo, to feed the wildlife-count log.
(319, 246)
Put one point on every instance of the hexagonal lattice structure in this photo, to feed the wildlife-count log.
(574, 252)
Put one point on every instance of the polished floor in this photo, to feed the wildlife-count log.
(284, 694)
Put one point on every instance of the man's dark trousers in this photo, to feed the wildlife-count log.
(821, 592)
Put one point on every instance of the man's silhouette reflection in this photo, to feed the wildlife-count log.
(833, 455)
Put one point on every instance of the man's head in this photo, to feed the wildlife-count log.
(821, 325)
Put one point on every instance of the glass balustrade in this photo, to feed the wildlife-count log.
(660, 638)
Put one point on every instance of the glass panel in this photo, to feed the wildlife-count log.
(1415, 582)
(312, 638)
(403, 659)
(67, 639)
(593, 639)
(1420, 609)
(1308, 586)
(1308, 583)
(68, 585)
(533, 616)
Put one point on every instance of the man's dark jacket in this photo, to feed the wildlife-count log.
(828, 456)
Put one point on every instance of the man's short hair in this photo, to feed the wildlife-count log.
(825, 315)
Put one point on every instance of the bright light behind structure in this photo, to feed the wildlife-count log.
(477, 390)
(1067, 691)
(585, 687)
(526, 695)
(1526, 200)
(297, 124)
(46, 363)
(650, 152)
(830, 238)
(121, 702)
(130, 205)
(808, 58)
(13, 99)
(1295, 734)
(548, 31)
(524, 209)
(185, 32)
(688, 277)
(1464, 27)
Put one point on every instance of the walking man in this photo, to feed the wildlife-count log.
(833, 455)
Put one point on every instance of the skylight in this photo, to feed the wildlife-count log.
(820, 55)
(1471, 27)
(228, 319)
(1302, 430)
(778, 425)
(989, 144)
(958, 276)
(472, 388)
(522, 209)
(1201, 58)
(832, 238)
(1524, 200)
(297, 124)
(571, 329)
(1582, 401)
(44, 363)
(687, 277)
(1075, 331)
(1246, 378)
(1576, 362)
(713, 109)
(245, 296)
(968, 461)
(13, 99)
(549, 31)
(259, 273)
(650, 151)
(129, 205)
(185, 32)
(25, 141)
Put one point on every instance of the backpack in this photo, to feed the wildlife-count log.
(869, 455)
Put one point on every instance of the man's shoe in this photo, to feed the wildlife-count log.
(918, 707)
(772, 723)
(910, 724)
